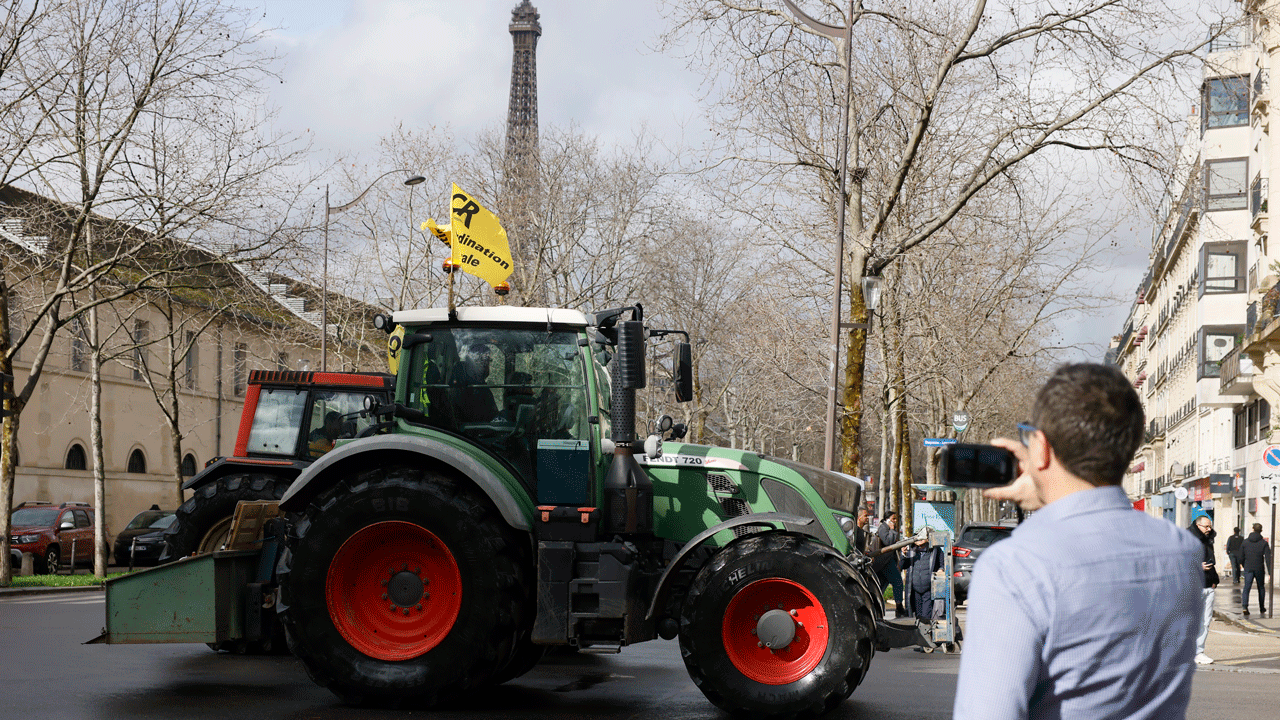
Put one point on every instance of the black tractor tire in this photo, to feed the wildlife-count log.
(211, 507)
(808, 675)
(468, 573)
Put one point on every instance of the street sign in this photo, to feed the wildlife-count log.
(1271, 456)
(960, 421)
(1275, 493)
(938, 442)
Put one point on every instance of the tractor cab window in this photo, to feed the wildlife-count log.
(334, 416)
(276, 421)
(503, 388)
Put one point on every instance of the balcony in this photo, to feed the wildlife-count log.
(1224, 36)
(1261, 91)
(1258, 205)
(1235, 376)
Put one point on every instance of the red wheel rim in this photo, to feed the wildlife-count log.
(393, 590)
(777, 666)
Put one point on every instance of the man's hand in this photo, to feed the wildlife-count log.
(1024, 491)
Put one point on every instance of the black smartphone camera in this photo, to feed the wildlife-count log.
(977, 466)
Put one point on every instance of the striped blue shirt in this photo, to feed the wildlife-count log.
(1090, 610)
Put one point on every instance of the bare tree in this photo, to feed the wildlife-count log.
(118, 71)
(955, 99)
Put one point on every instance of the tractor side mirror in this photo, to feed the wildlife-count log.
(684, 372)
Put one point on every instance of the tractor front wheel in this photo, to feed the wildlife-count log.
(776, 625)
(400, 584)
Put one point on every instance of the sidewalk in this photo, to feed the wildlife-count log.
(1226, 608)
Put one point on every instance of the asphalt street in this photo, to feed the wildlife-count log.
(41, 650)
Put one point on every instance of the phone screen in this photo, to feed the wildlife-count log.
(979, 466)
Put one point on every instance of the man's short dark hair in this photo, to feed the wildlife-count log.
(888, 515)
(1092, 418)
(1257, 527)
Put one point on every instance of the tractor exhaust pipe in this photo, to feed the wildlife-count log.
(628, 491)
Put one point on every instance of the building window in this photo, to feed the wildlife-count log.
(1215, 343)
(76, 459)
(1226, 185)
(1222, 267)
(1224, 103)
(1251, 412)
(141, 333)
(239, 369)
(189, 465)
(79, 346)
(137, 461)
(190, 362)
(1264, 419)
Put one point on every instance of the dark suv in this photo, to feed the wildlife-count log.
(50, 532)
(965, 551)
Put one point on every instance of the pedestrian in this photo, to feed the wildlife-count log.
(919, 563)
(1202, 530)
(1089, 609)
(1255, 558)
(885, 564)
(1233, 553)
(860, 529)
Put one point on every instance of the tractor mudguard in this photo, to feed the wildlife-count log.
(774, 519)
(321, 475)
(230, 465)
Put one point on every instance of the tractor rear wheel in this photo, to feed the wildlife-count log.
(400, 584)
(203, 522)
(777, 625)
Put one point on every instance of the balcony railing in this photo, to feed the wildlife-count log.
(1250, 318)
(1258, 197)
(1235, 373)
(1222, 36)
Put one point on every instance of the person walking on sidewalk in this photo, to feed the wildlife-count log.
(1202, 530)
(1233, 552)
(1089, 609)
(885, 565)
(1255, 556)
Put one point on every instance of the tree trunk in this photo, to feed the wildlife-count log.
(96, 446)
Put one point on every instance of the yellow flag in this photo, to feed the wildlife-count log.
(444, 232)
(394, 342)
(480, 244)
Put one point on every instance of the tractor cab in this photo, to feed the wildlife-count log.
(521, 391)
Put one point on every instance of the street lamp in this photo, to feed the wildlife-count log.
(836, 33)
(324, 283)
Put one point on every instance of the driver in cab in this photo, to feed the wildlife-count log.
(320, 441)
(475, 402)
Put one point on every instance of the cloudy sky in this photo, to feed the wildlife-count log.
(353, 69)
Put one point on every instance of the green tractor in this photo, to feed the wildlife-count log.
(502, 504)
(505, 505)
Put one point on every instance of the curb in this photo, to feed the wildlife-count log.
(1243, 624)
(15, 591)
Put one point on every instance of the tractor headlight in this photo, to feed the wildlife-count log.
(849, 526)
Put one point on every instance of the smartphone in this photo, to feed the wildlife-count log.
(977, 466)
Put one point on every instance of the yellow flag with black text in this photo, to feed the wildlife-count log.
(479, 242)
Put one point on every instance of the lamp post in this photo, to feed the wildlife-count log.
(836, 33)
(329, 210)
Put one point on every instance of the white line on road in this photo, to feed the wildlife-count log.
(43, 600)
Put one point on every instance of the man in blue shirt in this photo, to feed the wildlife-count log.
(1090, 609)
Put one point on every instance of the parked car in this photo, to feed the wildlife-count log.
(143, 538)
(965, 551)
(50, 533)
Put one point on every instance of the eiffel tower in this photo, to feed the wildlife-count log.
(522, 108)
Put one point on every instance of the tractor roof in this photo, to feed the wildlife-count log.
(493, 314)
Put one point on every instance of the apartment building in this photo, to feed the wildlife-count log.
(1187, 344)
